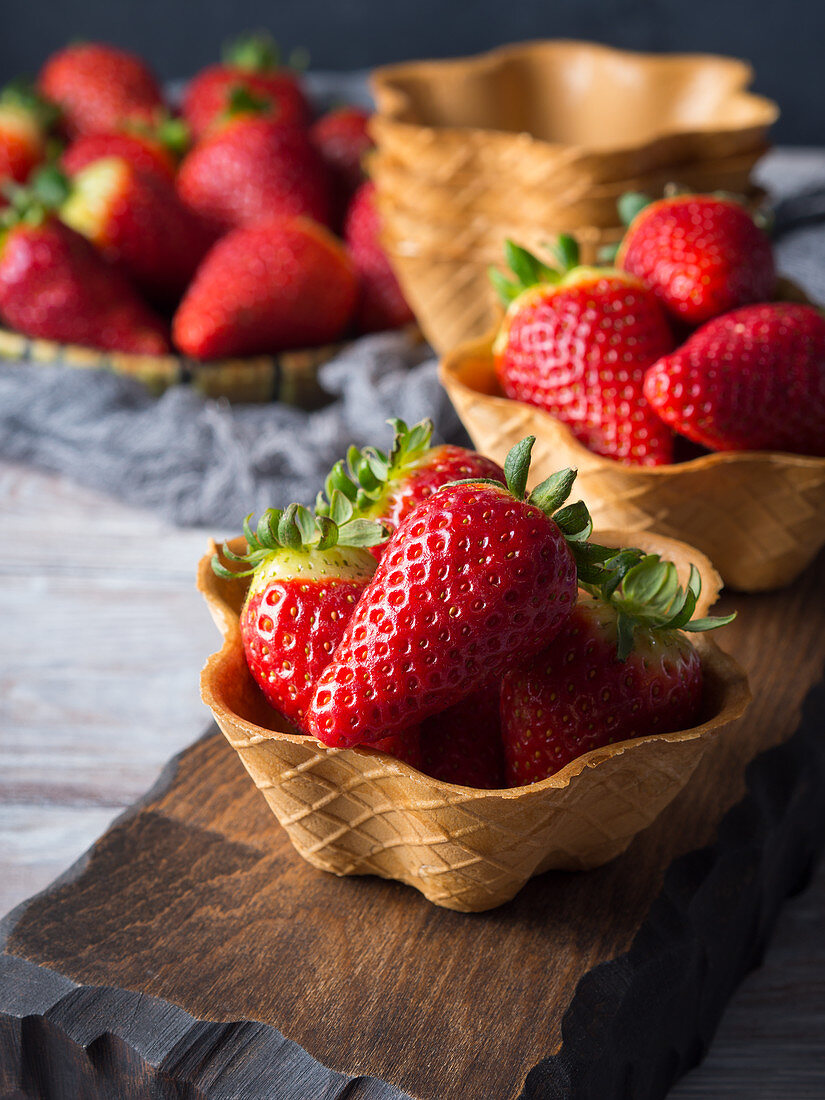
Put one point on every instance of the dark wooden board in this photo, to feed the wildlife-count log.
(193, 954)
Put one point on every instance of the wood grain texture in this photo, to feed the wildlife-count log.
(198, 899)
(96, 602)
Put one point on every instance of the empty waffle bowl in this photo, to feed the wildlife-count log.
(357, 811)
(758, 515)
(546, 134)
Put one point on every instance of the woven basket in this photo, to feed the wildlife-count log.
(354, 812)
(759, 516)
(290, 377)
(534, 140)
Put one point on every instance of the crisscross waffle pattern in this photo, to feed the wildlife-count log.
(520, 143)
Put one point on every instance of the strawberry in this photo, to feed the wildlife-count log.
(463, 743)
(382, 304)
(253, 169)
(405, 746)
(135, 219)
(99, 87)
(284, 283)
(700, 254)
(476, 578)
(752, 379)
(250, 64)
(307, 573)
(150, 149)
(388, 486)
(576, 342)
(25, 121)
(620, 668)
(342, 138)
(54, 285)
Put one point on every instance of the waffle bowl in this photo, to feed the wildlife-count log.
(759, 516)
(357, 812)
(538, 139)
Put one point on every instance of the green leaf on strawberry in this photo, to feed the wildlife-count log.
(296, 528)
(645, 592)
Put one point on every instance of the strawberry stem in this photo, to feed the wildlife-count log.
(646, 593)
(630, 204)
(364, 476)
(241, 101)
(253, 52)
(529, 270)
(297, 528)
(22, 93)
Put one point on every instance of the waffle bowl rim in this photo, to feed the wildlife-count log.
(393, 100)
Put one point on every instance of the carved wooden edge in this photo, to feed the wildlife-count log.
(638, 1022)
(634, 1025)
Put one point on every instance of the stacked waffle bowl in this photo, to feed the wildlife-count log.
(531, 141)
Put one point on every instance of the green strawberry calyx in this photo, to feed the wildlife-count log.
(550, 497)
(365, 475)
(22, 94)
(32, 203)
(242, 101)
(165, 129)
(528, 270)
(297, 528)
(253, 52)
(645, 592)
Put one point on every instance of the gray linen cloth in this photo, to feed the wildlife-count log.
(198, 461)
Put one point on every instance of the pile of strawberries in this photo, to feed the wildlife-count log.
(681, 340)
(431, 609)
(125, 228)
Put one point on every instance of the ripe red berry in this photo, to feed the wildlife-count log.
(753, 379)
(701, 255)
(577, 345)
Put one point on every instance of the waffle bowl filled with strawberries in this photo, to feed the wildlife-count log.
(686, 383)
(233, 246)
(436, 678)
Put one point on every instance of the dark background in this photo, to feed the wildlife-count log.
(783, 39)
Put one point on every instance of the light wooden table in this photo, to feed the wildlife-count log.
(103, 635)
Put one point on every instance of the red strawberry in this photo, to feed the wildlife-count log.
(477, 577)
(155, 150)
(700, 254)
(620, 668)
(463, 744)
(284, 283)
(577, 345)
(382, 304)
(251, 64)
(405, 745)
(98, 87)
(751, 380)
(54, 285)
(342, 138)
(388, 486)
(307, 575)
(251, 170)
(136, 220)
(25, 120)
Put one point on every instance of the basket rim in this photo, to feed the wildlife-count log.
(450, 376)
(733, 681)
(395, 100)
